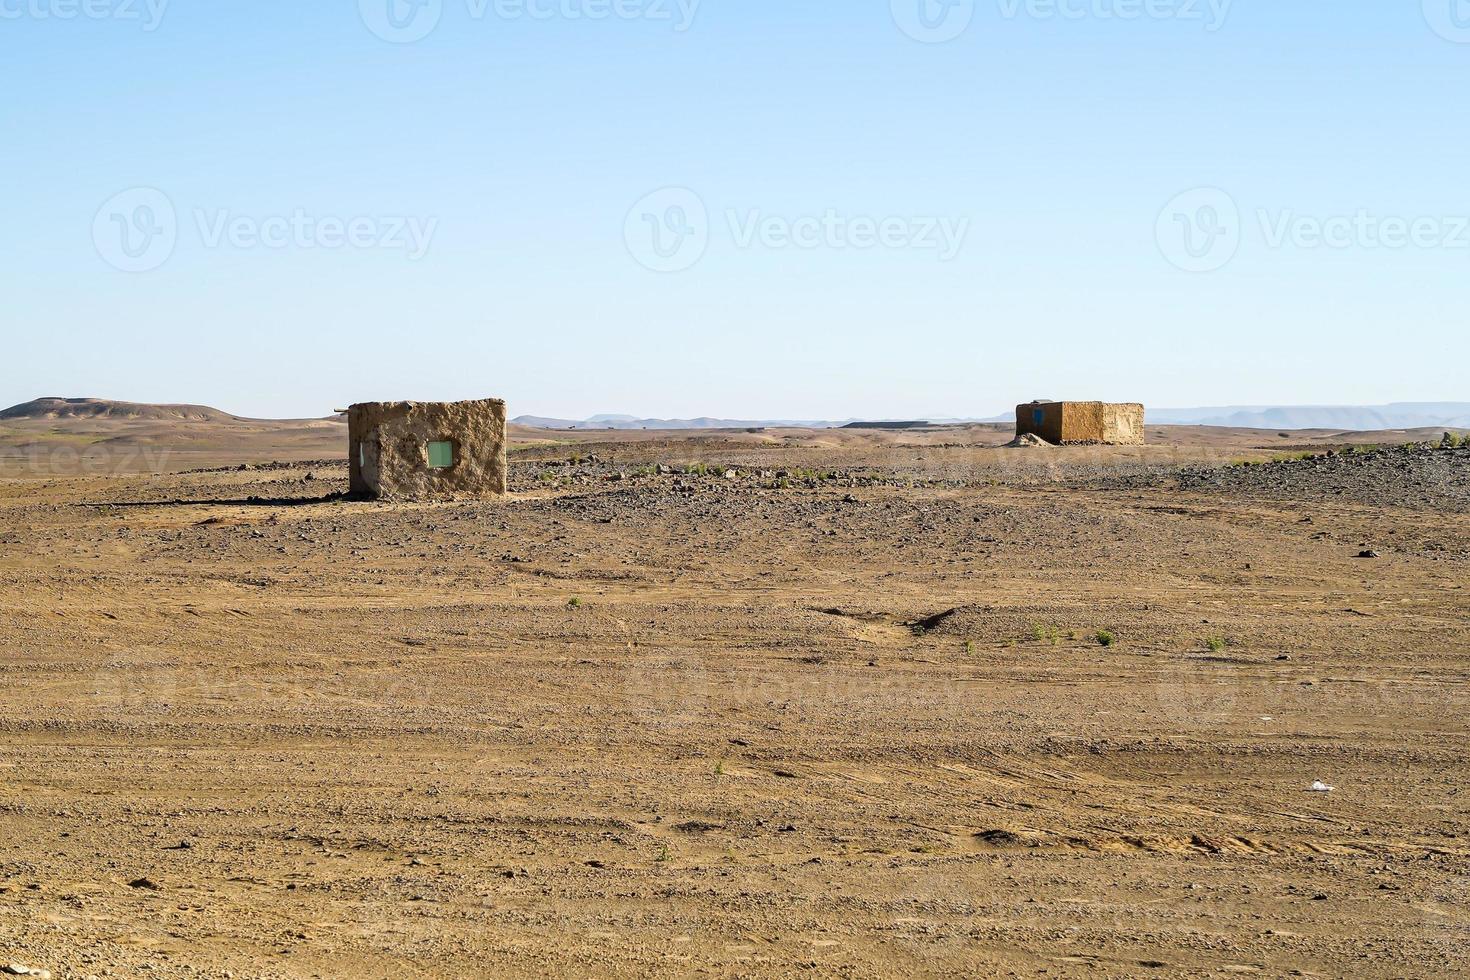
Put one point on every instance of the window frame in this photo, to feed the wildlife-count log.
(453, 454)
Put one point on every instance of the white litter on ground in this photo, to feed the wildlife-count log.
(1320, 787)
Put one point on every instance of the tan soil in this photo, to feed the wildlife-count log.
(789, 727)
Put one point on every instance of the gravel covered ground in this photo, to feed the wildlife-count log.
(751, 715)
(1421, 478)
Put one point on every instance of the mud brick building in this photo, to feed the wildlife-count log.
(1071, 423)
(427, 450)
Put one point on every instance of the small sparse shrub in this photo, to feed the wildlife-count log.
(1046, 634)
(970, 646)
(1215, 643)
(663, 854)
(1106, 638)
(720, 768)
(575, 602)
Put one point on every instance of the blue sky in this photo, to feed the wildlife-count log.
(278, 208)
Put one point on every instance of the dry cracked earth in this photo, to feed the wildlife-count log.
(831, 720)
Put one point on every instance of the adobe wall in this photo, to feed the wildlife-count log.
(1071, 423)
(1123, 424)
(388, 449)
(1042, 419)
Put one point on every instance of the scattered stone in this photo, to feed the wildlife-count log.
(144, 882)
(1370, 553)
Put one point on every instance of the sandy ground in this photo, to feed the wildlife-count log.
(858, 725)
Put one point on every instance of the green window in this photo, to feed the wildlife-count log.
(441, 455)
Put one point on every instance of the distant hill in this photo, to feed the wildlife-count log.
(1343, 418)
(624, 422)
(1347, 418)
(102, 408)
(1360, 418)
(630, 422)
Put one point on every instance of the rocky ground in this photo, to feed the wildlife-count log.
(1422, 477)
(739, 710)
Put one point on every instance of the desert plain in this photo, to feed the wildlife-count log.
(787, 703)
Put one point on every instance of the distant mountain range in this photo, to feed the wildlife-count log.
(632, 422)
(1342, 418)
(1351, 418)
(1358, 418)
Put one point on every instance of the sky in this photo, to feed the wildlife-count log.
(739, 208)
